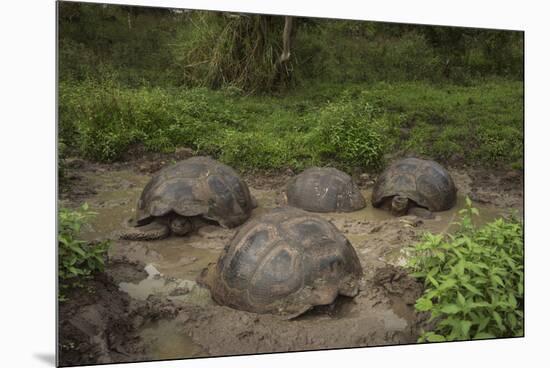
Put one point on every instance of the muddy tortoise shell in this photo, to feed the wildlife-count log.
(425, 182)
(198, 186)
(284, 262)
(324, 189)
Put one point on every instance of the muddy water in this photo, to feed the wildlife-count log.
(165, 340)
(174, 263)
(184, 258)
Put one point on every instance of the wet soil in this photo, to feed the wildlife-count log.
(149, 306)
(95, 324)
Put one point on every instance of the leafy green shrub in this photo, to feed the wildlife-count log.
(253, 150)
(344, 126)
(495, 145)
(473, 280)
(481, 124)
(78, 259)
(100, 121)
(348, 132)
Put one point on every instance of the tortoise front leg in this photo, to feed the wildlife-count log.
(153, 231)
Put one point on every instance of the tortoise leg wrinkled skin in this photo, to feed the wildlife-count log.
(421, 212)
(180, 226)
(253, 202)
(153, 231)
(399, 205)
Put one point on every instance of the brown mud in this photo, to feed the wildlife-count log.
(148, 305)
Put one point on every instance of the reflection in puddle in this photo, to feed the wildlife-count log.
(169, 288)
(184, 258)
(179, 258)
(164, 340)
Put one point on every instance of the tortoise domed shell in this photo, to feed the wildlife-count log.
(284, 262)
(324, 190)
(198, 186)
(425, 182)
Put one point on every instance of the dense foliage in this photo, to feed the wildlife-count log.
(473, 279)
(352, 92)
(78, 259)
(348, 126)
(164, 47)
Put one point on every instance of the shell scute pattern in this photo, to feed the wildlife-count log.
(324, 190)
(284, 262)
(198, 186)
(425, 182)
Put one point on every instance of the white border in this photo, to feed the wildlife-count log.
(471, 13)
(28, 171)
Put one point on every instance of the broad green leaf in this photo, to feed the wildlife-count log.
(512, 300)
(460, 267)
(447, 284)
(423, 305)
(433, 281)
(435, 338)
(472, 288)
(480, 305)
(465, 327)
(498, 319)
(497, 280)
(512, 320)
(460, 298)
(79, 250)
(450, 309)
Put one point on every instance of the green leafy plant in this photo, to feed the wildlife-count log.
(345, 126)
(78, 259)
(350, 133)
(473, 279)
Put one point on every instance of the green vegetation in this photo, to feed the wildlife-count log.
(473, 279)
(139, 46)
(351, 93)
(78, 259)
(481, 124)
(347, 126)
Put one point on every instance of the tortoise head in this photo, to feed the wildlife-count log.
(399, 205)
(180, 225)
(207, 276)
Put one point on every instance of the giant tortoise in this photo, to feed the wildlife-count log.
(324, 189)
(416, 186)
(284, 262)
(182, 196)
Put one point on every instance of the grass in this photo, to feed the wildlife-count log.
(478, 124)
(348, 126)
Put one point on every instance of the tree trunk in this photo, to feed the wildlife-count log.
(285, 56)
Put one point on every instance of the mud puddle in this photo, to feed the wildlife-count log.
(381, 314)
(173, 289)
(164, 339)
(184, 258)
